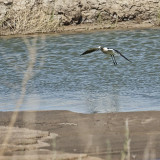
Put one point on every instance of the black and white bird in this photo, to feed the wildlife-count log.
(109, 51)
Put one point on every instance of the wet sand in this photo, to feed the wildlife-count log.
(68, 135)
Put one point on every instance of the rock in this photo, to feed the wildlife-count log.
(32, 145)
(3, 10)
(22, 139)
(8, 2)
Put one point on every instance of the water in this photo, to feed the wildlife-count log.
(64, 80)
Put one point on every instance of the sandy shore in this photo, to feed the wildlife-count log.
(64, 134)
(104, 26)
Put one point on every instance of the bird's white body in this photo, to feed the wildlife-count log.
(108, 51)
(105, 50)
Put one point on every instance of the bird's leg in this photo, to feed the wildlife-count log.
(113, 59)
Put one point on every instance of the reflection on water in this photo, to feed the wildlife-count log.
(64, 80)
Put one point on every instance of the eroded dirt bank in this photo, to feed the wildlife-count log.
(71, 135)
(25, 16)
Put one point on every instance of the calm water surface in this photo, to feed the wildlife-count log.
(64, 80)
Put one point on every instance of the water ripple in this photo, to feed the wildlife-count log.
(65, 80)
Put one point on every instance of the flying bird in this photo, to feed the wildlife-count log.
(108, 51)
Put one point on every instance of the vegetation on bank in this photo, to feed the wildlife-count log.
(158, 18)
(27, 21)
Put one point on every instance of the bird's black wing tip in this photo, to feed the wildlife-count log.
(83, 54)
(122, 55)
(89, 51)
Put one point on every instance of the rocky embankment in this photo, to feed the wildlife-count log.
(29, 16)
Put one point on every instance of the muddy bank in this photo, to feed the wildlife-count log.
(91, 135)
(23, 17)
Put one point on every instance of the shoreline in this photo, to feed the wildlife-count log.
(88, 135)
(89, 28)
(128, 25)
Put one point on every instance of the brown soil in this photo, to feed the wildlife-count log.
(103, 26)
(95, 135)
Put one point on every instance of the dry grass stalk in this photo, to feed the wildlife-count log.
(125, 154)
(158, 18)
(27, 21)
(149, 152)
(32, 53)
(108, 157)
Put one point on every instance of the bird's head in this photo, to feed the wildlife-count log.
(100, 47)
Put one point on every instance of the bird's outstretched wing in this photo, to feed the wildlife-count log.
(122, 55)
(90, 50)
